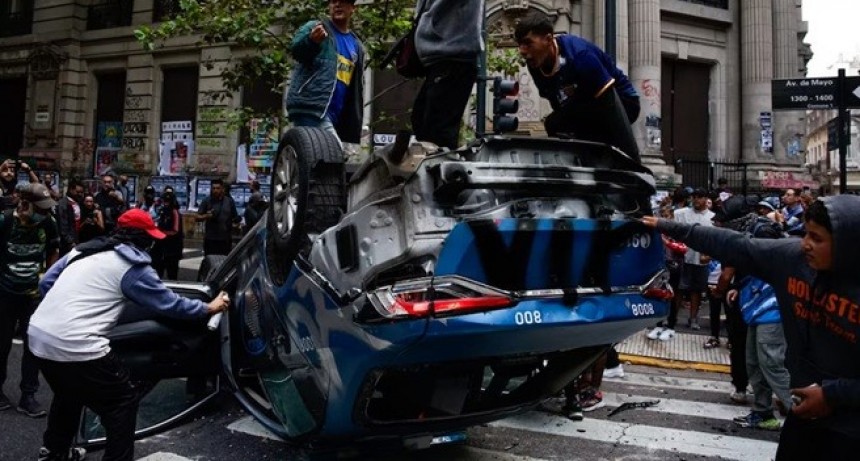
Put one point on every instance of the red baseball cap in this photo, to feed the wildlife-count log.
(139, 219)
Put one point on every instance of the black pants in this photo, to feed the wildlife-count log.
(715, 306)
(168, 264)
(805, 440)
(216, 247)
(605, 119)
(101, 385)
(439, 106)
(16, 309)
(737, 333)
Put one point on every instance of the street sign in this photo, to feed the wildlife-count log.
(851, 93)
(814, 93)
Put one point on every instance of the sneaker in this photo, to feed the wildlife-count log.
(591, 399)
(712, 343)
(30, 407)
(655, 333)
(758, 421)
(5, 404)
(695, 326)
(667, 334)
(617, 372)
(739, 397)
(75, 454)
(572, 410)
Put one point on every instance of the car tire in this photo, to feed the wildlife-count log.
(209, 266)
(308, 195)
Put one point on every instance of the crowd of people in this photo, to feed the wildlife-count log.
(796, 347)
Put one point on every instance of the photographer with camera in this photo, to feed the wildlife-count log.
(218, 211)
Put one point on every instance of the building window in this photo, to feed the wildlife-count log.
(722, 4)
(110, 99)
(164, 9)
(107, 14)
(16, 17)
(179, 95)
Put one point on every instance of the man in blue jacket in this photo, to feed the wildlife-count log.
(326, 89)
(591, 98)
(68, 333)
(818, 288)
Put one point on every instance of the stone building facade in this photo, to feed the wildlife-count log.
(702, 67)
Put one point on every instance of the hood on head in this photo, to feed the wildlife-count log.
(844, 213)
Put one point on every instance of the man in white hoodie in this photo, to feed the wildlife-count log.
(68, 332)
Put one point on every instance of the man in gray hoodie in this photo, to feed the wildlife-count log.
(68, 333)
(448, 42)
(818, 288)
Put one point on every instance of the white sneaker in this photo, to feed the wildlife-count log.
(655, 333)
(667, 334)
(617, 372)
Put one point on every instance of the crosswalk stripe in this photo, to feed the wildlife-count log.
(672, 382)
(162, 456)
(679, 407)
(249, 425)
(644, 436)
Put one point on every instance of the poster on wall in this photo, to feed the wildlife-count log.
(109, 135)
(258, 156)
(105, 159)
(175, 157)
(200, 189)
(240, 193)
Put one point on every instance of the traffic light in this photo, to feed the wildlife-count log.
(504, 103)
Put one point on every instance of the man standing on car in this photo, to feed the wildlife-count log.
(219, 212)
(68, 332)
(326, 90)
(28, 243)
(448, 42)
(580, 82)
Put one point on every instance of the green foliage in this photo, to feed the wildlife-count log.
(260, 32)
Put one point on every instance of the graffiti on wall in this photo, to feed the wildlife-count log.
(651, 93)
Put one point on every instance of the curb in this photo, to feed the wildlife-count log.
(674, 364)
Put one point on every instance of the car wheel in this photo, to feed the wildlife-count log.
(209, 266)
(308, 195)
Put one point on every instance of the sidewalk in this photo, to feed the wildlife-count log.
(684, 351)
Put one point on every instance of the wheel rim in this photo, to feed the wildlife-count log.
(286, 189)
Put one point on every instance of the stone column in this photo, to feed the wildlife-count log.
(645, 75)
(600, 24)
(622, 36)
(756, 74)
(785, 65)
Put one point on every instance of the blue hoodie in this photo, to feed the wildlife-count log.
(820, 310)
(82, 304)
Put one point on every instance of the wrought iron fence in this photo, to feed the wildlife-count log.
(109, 14)
(17, 23)
(703, 173)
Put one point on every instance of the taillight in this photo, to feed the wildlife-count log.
(438, 297)
(659, 288)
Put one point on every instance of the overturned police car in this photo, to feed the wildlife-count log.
(433, 291)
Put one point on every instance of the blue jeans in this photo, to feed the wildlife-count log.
(311, 121)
